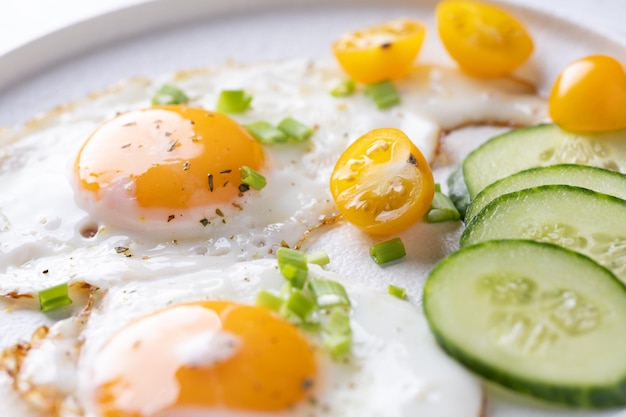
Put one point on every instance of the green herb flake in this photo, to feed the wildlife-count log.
(388, 251)
(295, 130)
(233, 101)
(168, 95)
(265, 133)
(252, 178)
(384, 94)
(344, 89)
(54, 297)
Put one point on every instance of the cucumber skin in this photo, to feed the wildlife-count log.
(575, 397)
(583, 397)
(493, 206)
(563, 169)
(613, 141)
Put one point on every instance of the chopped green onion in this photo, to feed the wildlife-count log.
(295, 130)
(233, 101)
(310, 326)
(252, 178)
(265, 132)
(293, 266)
(54, 297)
(328, 293)
(338, 345)
(397, 292)
(319, 258)
(168, 94)
(286, 289)
(384, 94)
(300, 305)
(344, 89)
(338, 322)
(268, 300)
(318, 306)
(442, 209)
(388, 251)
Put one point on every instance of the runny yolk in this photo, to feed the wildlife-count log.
(144, 370)
(170, 157)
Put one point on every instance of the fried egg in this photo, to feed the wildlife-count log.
(110, 189)
(195, 345)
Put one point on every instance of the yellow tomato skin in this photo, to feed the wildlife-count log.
(484, 40)
(379, 53)
(590, 95)
(382, 183)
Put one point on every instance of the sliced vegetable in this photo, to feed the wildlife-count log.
(300, 305)
(384, 94)
(295, 130)
(344, 89)
(252, 178)
(590, 95)
(383, 52)
(338, 322)
(442, 209)
(576, 218)
(329, 293)
(397, 292)
(293, 266)
(169, 94)
(314, 304)
(593, 178)
(483, 39)
(319, 258)
(540, 145)
(54, 297)
(388, 251)
(338, 345)
(265, 132)
(268, 300)
(382, 183)
(233, 101)
(533, 317)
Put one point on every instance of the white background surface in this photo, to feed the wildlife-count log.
(25, 20)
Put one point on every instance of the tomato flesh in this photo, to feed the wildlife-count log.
(382, 183)
(379, 53)
(484, 40)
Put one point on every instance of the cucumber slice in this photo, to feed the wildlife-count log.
(576, 218)
(593, 178)
(541, 145)
(534, 317)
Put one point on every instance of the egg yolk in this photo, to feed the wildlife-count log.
(168, 157)
(154, 365)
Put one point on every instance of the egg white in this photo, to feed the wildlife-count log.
(396, 368)
(46, 237)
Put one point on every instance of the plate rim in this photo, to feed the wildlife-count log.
(23, 62)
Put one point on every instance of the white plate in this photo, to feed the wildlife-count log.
(169, 35)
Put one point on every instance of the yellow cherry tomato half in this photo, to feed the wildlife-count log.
(484, 40)
(590, 95)
(379, 53)
(382, 183)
